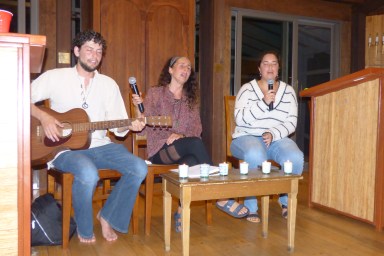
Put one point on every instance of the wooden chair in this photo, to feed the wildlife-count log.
(154, 170)
(230, 124)
(65, 180)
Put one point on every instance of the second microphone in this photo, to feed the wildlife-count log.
(270, 87)
(135, 90)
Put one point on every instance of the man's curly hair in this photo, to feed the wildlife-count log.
(89, 35)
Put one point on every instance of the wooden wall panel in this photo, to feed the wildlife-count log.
(348, 185)
(47, 27)
(170, 38)
(141, 35)
(124, 32)
(64, 37)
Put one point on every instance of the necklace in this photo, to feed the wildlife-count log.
(175, 111)
(85, 93)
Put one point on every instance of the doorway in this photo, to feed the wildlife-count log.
(309, 50)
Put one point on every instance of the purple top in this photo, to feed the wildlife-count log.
(159, 101)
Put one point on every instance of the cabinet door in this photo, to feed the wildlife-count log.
(141, 36)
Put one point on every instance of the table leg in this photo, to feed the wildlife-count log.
(208, 212)
(291, 222)
(264, 215)
(167, 207)
(185, 198)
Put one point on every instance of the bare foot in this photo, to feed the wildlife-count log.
(87, 240)
(253, 217)
(243, 210)
(108, 232)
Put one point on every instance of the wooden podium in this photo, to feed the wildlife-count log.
(346, 157)
(20, 55)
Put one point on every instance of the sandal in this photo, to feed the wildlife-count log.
(177, 218)
(254, 217)
(234, 213)
(284, 211)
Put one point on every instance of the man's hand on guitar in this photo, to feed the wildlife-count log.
(50, 126)
(137, 125)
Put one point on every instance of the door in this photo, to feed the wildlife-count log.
(308, 49)
(315, 66)
(141, 36)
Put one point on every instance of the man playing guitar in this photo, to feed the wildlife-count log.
(82, 86)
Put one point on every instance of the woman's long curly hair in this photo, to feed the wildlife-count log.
(190, 88)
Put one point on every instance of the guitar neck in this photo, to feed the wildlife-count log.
(103, 125)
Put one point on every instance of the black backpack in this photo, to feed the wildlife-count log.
(46, 222)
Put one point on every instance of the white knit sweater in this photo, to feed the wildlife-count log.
(253, 117)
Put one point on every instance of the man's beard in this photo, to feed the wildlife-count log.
(86, 67)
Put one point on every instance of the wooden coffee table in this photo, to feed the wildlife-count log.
(234, 185)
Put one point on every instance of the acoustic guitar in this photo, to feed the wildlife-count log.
(76, 133)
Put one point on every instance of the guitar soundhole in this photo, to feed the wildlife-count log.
(66, 134)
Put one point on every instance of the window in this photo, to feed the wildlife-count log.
(25, 15)
(309, 50)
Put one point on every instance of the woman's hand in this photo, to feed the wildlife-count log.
(269, 96)
(173, 137)
(267, 138)
(136, 100)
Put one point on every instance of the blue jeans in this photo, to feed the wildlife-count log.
(84, 165)
(253, 150)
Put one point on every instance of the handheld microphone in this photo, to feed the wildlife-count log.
(270, 87)
(132, 82)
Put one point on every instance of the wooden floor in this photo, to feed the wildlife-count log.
(317, 233)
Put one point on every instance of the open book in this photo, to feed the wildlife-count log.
(194, 171)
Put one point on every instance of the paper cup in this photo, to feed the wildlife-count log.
(5, 21)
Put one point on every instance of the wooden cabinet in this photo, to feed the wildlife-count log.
(374, 41)
(19, 54)
(142, 35)
(346, 164)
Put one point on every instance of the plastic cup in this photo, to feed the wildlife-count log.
(5, 21)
